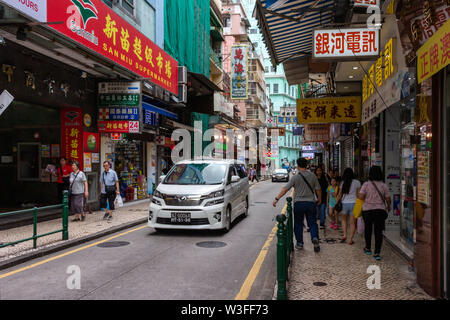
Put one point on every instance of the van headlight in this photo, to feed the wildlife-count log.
(158, 194)
(215, 194)
(214, 202)
(157, 202)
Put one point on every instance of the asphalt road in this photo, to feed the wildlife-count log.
(167, 265)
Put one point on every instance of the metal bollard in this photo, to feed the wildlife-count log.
(281, 258)
(34, 228)
(65, 216)
(289, 227)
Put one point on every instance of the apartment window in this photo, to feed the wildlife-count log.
(228, 22)
(273, 69)
(128, 5)
(275, 88)
(108, 3)
(253, 30)
(268, 87)
(266, 69)
(285, 88)
(256, 44)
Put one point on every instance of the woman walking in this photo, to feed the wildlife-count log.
(348, 192)
(78, 191)
(322, 207)
(377, 200)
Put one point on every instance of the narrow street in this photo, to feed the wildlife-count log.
(160, 265)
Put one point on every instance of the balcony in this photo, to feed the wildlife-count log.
(255, 116)
(256, 92)
(216, 57)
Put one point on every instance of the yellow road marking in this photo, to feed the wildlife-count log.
(67, 253)
(254, 271)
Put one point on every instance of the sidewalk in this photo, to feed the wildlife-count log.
(342, 269)
(94, 223)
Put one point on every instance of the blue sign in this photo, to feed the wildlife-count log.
(280, 119)
(150, 118)
(297, 131)
(121, 113)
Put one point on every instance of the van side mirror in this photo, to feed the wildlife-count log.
(161, 178)
(235, 179)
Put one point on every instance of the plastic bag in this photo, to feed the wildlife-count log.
(357, 209)
(118, 202)
(360, 225)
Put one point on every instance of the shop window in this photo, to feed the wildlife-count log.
(129, 6)
(29, 161)
(93, 186)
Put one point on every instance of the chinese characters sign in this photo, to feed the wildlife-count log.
(366, 3)
(72, 134)
(329, 110)
(424, 26)
(117, 99)
(93, 24)
(346, 43)
(317, 133)
(114, 113)
(118, 126)
(239, 71)
(379, 71)
(434, 54)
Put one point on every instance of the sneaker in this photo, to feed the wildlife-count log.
(299, 246)
(315, 241)
(110, 217)
(336, 227)
(377, 257)
(367, 251)
(105, 216)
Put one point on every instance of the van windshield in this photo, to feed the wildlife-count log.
(196, 173)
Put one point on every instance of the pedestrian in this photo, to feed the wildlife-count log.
(78, 190)
(63, 181)
(254, 174)
(348, 192)
(377, 204)
(110, 189)
(306, 187)
(322, 207)
(332, 193)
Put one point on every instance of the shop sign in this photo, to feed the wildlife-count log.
(35, 9)
(117, 99)
(150, 118)
(423, 177)
(297, 131)
(366, 3)
(434, 55)
(329, 110)
(118, 126)
(91, 142)
(317, 133)
(239, 72)
(72, 134)
(117, 113)
(5, 100)
(93, 24)
(423, 27)
(380, 71)
(121, 87)
(87, 119)
(281, 131)
(344, 44)
(87, 158)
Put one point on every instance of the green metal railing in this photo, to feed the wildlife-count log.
(285, 246)
(65, 222)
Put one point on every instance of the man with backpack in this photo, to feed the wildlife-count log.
(307, 195)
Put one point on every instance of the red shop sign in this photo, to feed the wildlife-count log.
(118, 126)
(94, 25)
(72, 134)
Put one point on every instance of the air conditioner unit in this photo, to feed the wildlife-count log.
(182, 93)
(182, 74)
(159, 92)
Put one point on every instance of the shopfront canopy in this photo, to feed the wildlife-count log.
(287, 25)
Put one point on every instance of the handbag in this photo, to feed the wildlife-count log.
(109, 189)
(338, 206)
(309, 186)
(357, 209)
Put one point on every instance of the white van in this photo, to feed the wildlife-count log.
(203, 194)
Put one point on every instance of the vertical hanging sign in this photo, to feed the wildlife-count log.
(72, 134)
(239, 72)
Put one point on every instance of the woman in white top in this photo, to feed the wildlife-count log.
(348, 192)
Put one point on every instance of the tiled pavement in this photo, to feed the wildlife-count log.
(343, 268)
(94, 223)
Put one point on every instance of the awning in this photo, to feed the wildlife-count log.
(287, 25)
(202, 83)
(150, 107)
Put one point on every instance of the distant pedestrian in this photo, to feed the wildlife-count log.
(348, 192)
(110, 189)
(306, 187)
(254, 175)
(332, 193)
(377, 204)
(63, 181)
(322, 207)
(78, 191)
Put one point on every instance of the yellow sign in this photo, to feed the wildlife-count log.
(434, 54)
(329, 110)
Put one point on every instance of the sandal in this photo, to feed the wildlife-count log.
(351, 242)
(75, 220)
(343, 240)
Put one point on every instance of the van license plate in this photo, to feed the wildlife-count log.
(180, 217)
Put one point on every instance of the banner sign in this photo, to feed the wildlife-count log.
(366, 3)
(91, 142)
(434, 55)
(35, 9)
(93, 24)
(116, 113)
(329, 110)
(422, 27)
(317, 133)
(118, 126)
(281, 131)
(239, 72)
(345, 44)
(72, 134)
